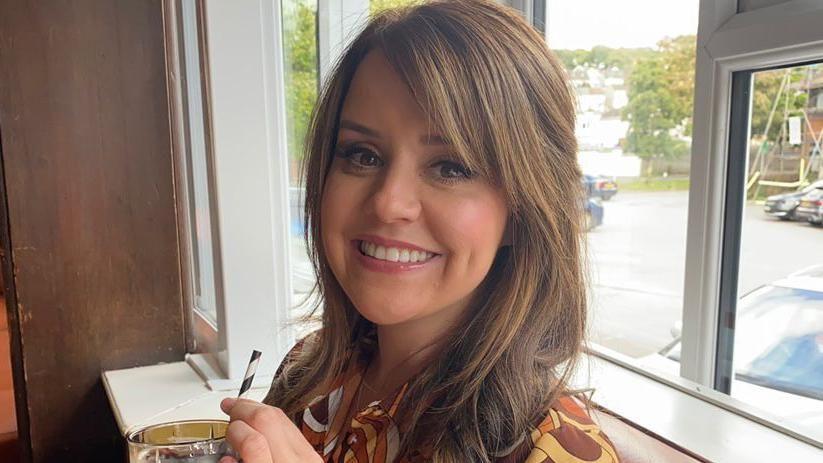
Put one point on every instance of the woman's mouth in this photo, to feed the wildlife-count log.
(394, 254)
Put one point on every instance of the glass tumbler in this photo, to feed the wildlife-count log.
(196, 441)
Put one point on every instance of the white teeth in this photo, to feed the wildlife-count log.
(393, 254)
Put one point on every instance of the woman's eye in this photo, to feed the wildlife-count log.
(453, 170)
(361, 158)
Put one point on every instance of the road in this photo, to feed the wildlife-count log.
(637, 264)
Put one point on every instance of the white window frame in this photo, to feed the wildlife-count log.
(248, 137)
(779, 35)
(727, 42)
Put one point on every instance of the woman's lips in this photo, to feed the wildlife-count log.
(390, 266)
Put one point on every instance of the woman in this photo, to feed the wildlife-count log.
(443, 206)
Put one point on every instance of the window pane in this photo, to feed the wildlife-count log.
(633, 71)
(778, 337)
(301, 85)
(198, 171)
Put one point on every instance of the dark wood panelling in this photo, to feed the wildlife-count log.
(89, 180)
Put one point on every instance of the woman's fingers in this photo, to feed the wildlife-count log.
(251, 445)
(285, 442)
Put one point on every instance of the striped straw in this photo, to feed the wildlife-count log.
(249, 377)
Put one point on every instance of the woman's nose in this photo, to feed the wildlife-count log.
(396, 197)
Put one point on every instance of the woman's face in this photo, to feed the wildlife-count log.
(408, 232)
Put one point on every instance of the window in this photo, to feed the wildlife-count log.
(634, 79)
(198, 185)
(235, 188)
(300, 55)
(773, 355)
(731, 287)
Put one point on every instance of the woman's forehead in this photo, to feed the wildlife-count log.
(378, 92)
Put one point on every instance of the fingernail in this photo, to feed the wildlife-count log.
(227, 403)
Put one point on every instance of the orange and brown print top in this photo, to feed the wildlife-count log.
(567, 434)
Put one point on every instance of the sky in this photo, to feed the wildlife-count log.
(618, 23)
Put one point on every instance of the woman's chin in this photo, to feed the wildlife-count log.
(385, 315)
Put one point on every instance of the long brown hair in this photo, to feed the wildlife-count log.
(489, 83)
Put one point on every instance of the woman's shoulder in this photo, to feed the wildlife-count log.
(566, 434)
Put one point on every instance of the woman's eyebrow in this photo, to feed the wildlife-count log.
(430, 139)
(347, 124)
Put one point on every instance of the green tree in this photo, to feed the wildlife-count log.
(604, 57)
(661, 95)
(376, 6)
(782, 90)
(300, 49)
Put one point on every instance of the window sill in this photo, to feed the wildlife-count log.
(703, 428)
(166, 392)
(176, 391)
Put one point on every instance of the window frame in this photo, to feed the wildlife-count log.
(764, 38)
(728, 42)
(245, 133)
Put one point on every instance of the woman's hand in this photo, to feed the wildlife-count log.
(260, 433)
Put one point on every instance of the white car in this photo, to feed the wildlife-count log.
(778, 349)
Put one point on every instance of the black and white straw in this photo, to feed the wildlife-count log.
(249, 376)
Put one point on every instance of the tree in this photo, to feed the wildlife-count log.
(661, 95)
(602, 57)
(376, 6)
(771, 92)
(299, 25)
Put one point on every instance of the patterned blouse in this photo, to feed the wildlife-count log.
(567, 434)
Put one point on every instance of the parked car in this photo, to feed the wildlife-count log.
(778, 348)
(599, 186)
(783, 206)
(594, 213)
(811, 207)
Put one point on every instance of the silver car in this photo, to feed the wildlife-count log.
(811, 207)
(778, 349)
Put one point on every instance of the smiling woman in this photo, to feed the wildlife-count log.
(440, 164)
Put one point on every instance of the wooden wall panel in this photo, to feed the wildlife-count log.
(88, 173)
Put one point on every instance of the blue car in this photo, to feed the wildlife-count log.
(594, 213)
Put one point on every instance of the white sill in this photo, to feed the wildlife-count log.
(166, 392)
(175, 391)
(696, 424)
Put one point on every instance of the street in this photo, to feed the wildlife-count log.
(637, 264)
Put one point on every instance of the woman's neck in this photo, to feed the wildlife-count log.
(403, 350)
